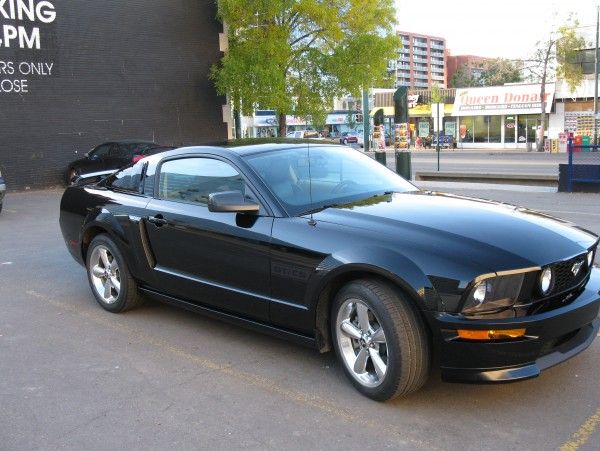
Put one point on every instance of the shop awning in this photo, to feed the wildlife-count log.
(388, 111)
(336, 119)
(265, 121)
(417, 111)
(425, 110)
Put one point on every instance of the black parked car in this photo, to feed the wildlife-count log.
(2, 190)
(110, 156)
(329, 248)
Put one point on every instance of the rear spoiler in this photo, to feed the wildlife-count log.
(91, 178)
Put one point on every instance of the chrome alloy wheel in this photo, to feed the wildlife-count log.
(361, 340)
(105, 274)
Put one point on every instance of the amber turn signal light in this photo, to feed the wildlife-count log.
(490, 334)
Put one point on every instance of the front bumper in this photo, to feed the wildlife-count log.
(2, 189)
(551, 337)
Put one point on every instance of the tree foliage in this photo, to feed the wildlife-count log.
(551, 60)
(499, 71)
(463, 78)
(295, 56)
(493, 72)
(437, 96)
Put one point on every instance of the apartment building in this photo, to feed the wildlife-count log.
(421, 61)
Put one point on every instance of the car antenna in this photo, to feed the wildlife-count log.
(312, 221)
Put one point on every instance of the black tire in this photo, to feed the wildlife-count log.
(405, 349)
(118, 300)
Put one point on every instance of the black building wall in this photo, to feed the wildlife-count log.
(110, 69)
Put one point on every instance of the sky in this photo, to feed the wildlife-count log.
(497, 28)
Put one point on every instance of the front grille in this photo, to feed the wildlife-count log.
(564, 278)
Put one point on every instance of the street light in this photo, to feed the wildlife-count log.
(595, 140)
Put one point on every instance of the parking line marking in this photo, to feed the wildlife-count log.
(253, 379)
(583, 434)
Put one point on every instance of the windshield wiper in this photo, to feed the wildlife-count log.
(318, 209)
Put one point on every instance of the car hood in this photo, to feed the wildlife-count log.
(491, 234)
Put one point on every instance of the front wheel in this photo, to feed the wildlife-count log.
(109, 278)
(379, 339)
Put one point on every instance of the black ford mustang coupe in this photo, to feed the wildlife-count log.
(325, 246)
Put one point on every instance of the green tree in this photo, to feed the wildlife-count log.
(499, 71)
(551, 61)
(493, 72)
(437, 96)
(463, 78)
(295, 56)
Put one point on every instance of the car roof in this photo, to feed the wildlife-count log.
(131, 141)
(244, 149)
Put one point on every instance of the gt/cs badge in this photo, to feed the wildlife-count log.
(576, 267)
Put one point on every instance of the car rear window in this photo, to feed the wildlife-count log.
(128, 179)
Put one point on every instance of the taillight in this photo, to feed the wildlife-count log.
(137, 158)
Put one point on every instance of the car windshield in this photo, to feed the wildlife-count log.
(309, 179)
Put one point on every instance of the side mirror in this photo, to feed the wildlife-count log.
(231, 202)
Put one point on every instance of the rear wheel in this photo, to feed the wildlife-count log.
(380, 340)
(109, 278)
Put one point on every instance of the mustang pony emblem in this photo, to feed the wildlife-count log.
(576, 267)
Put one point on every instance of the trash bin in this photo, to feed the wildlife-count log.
(529, 147)
(381, 157)
(403, 165)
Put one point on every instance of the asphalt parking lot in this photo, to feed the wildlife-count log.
(73, 376)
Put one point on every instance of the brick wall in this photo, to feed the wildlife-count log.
(119, 69)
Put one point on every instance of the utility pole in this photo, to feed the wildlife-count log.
(595, 140)
(366, 118)
(437, 144)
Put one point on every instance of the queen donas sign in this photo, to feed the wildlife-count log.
(498, 100)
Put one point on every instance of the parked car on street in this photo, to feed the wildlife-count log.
(110, 156)
(331, 249)
(2, 190)
(348, 138)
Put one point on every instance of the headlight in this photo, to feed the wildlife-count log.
(546, 280)
(493, 294)
(590, 258)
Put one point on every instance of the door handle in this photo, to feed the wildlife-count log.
(158, 220)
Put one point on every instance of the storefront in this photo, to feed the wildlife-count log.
(339, 122)
(500, 116)
(263, 124)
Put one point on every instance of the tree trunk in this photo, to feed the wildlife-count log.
(282, 125)
(540, 145)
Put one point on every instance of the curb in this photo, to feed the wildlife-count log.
(512, 179)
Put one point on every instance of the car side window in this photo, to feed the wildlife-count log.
(101, 151)
(119, 151)
(193, 179)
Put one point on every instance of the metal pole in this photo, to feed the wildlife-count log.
(437, 144)
(595, 140)
(570, 167)
(366, 122)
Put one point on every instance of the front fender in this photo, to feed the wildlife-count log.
(382, 261)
